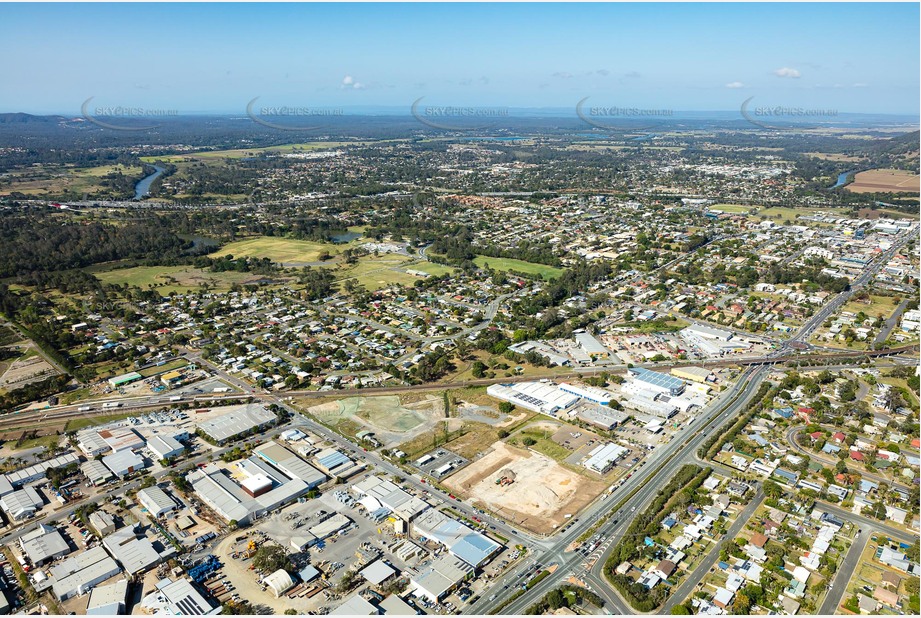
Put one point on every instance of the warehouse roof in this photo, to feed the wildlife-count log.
(38, 470)
(355, 605)
(49, 544)
(655, 378)
(96, 471)
(236, 421)
(123, 463)
(290, 464)
(156, 497)
(178, 598)
(162, 445)
(20, 502)
(108, 600)
(134, 554)
(79, 572)
(377, 572)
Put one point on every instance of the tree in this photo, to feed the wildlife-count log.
(506, 407)
(270, 558)
(529, 441)
(681, 610)
(479, 369)
(502, 434)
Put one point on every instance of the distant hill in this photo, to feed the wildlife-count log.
(23, 118)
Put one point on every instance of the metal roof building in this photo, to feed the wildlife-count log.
(108, 600)
(156, 501)
(592, 346)
(178, 598)
(441, 577)
(37, 471)
(96, 472)
(21, 504)
(290, 464)
(80, 573)
(134, 554)
(124, 463)
(164, 447)
(658, 381)
(389, 495)
(470, 546)
(236, 422)
(43, 544)
(535, 396)
(355, 605)
(378, 572)
(603, 456)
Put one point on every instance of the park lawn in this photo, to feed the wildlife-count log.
(781, 213)
(174, 364)
(179, 279)
(379, 271)
(282, 250)
(878, 305)
(732, 208)
(508, 264)
(432, 268)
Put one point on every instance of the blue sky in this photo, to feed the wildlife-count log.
(217, 57)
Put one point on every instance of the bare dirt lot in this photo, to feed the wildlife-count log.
(541, 496)
(875, 181)
(22, 372)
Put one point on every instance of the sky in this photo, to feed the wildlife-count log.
(216, 58)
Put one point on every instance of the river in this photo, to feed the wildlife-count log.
(842, 179)
(142, 188)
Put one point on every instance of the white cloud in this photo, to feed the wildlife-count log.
(860, 85)
(735, 85)
(787, 72)
(563, 75)
(348, 82)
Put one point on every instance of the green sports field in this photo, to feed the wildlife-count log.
(507, 264)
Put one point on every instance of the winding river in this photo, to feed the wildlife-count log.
(142, 188)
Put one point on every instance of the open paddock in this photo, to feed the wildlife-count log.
(885, 181)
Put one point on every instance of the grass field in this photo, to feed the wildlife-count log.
(239, 153)
(732, 208)
(54, 180)
(179, 279)
(877, 305)
(152, 371)
(433, 269)
(507, 264)
(282, 250)
(375, 272)
(780, 213)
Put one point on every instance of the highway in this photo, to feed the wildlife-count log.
(646, 481)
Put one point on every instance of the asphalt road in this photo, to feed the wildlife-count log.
(647, 481)
(680, 593)
(843, 575)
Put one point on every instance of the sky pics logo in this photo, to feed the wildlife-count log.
(457, 118)
(124, 118)
(782, 117)
(291, 118)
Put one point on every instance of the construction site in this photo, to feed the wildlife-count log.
(541, 504)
